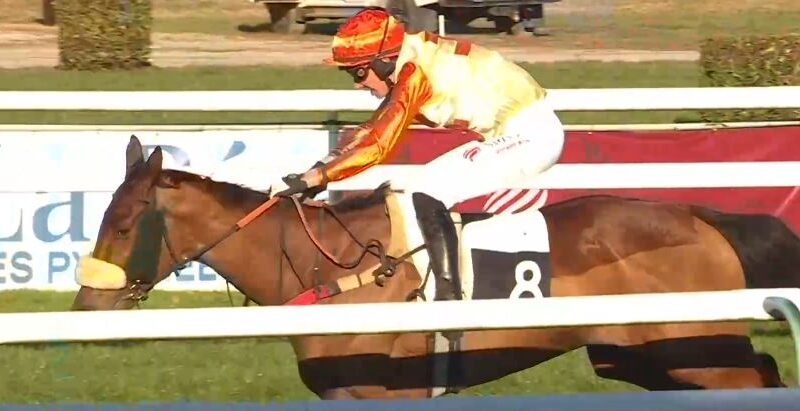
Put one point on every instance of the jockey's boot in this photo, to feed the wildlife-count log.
(439, 233)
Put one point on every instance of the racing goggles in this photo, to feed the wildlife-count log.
(359, 73)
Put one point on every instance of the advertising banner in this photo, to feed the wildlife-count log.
(55, 185)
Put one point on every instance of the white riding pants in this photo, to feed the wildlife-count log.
(532, 143)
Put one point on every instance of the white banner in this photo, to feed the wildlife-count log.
(55, 186)
(43, 232)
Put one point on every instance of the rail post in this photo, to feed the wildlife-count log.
(782, 308)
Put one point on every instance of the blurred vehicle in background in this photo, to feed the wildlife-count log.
(507, 16)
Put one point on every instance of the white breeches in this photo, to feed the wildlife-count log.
(532, 143)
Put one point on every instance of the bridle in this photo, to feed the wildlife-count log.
(139, 288)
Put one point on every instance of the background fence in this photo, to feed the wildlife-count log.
(78, 167)
(677, 98)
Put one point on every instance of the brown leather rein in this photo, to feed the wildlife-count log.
(386, 267)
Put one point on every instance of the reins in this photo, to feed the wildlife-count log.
(388, 262)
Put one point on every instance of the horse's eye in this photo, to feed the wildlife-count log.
(122, 233)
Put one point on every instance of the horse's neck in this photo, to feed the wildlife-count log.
(197, 219)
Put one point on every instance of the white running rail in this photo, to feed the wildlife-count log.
(327, 319)
(579, 99)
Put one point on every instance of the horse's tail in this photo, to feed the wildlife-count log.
(768, 249)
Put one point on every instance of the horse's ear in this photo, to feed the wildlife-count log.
(154, 163)
(134, 156)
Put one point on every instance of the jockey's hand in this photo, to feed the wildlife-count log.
(291, 184)
(288, 185)
(312, 192)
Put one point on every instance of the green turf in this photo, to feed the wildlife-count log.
(555, 75)
(249, 369)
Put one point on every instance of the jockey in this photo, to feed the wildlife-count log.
(440, 82)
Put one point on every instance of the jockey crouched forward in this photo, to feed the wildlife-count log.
(440, 82)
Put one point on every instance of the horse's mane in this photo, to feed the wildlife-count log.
(241, 196)
(360, 202)
(229, 194)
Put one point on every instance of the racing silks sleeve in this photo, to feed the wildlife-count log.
(374, 139)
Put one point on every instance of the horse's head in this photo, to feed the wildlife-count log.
(130, 252)
(158, 220)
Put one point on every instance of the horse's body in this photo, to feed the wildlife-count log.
(598, 245)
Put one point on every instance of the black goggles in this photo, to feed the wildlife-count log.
(358, 73)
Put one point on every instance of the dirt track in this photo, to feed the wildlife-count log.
(30, 45)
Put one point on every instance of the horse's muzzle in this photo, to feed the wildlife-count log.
(100, 275)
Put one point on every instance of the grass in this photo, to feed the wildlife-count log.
(551, 75)
(247, 369)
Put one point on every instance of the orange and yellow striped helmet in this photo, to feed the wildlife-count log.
(371, 33)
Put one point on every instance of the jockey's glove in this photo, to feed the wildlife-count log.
(309, 184)
(288, 185)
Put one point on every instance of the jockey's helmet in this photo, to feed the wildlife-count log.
(367, 36)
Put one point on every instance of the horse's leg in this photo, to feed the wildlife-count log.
(485, 356)
(371, 392)
(493, 354)
(769, 371)
(683, 356)
(724, 361)
(636, 367)
(338, 394)
(337, 367)
(627, 365)
(368, 392)
(404, 373)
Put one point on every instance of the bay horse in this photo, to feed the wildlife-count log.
(159, 218)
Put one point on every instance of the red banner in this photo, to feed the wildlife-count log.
(752, 144)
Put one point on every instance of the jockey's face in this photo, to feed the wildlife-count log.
(365, 77)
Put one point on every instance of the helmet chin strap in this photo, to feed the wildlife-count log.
(383, 69)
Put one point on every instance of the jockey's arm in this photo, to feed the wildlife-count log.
(374, 139)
